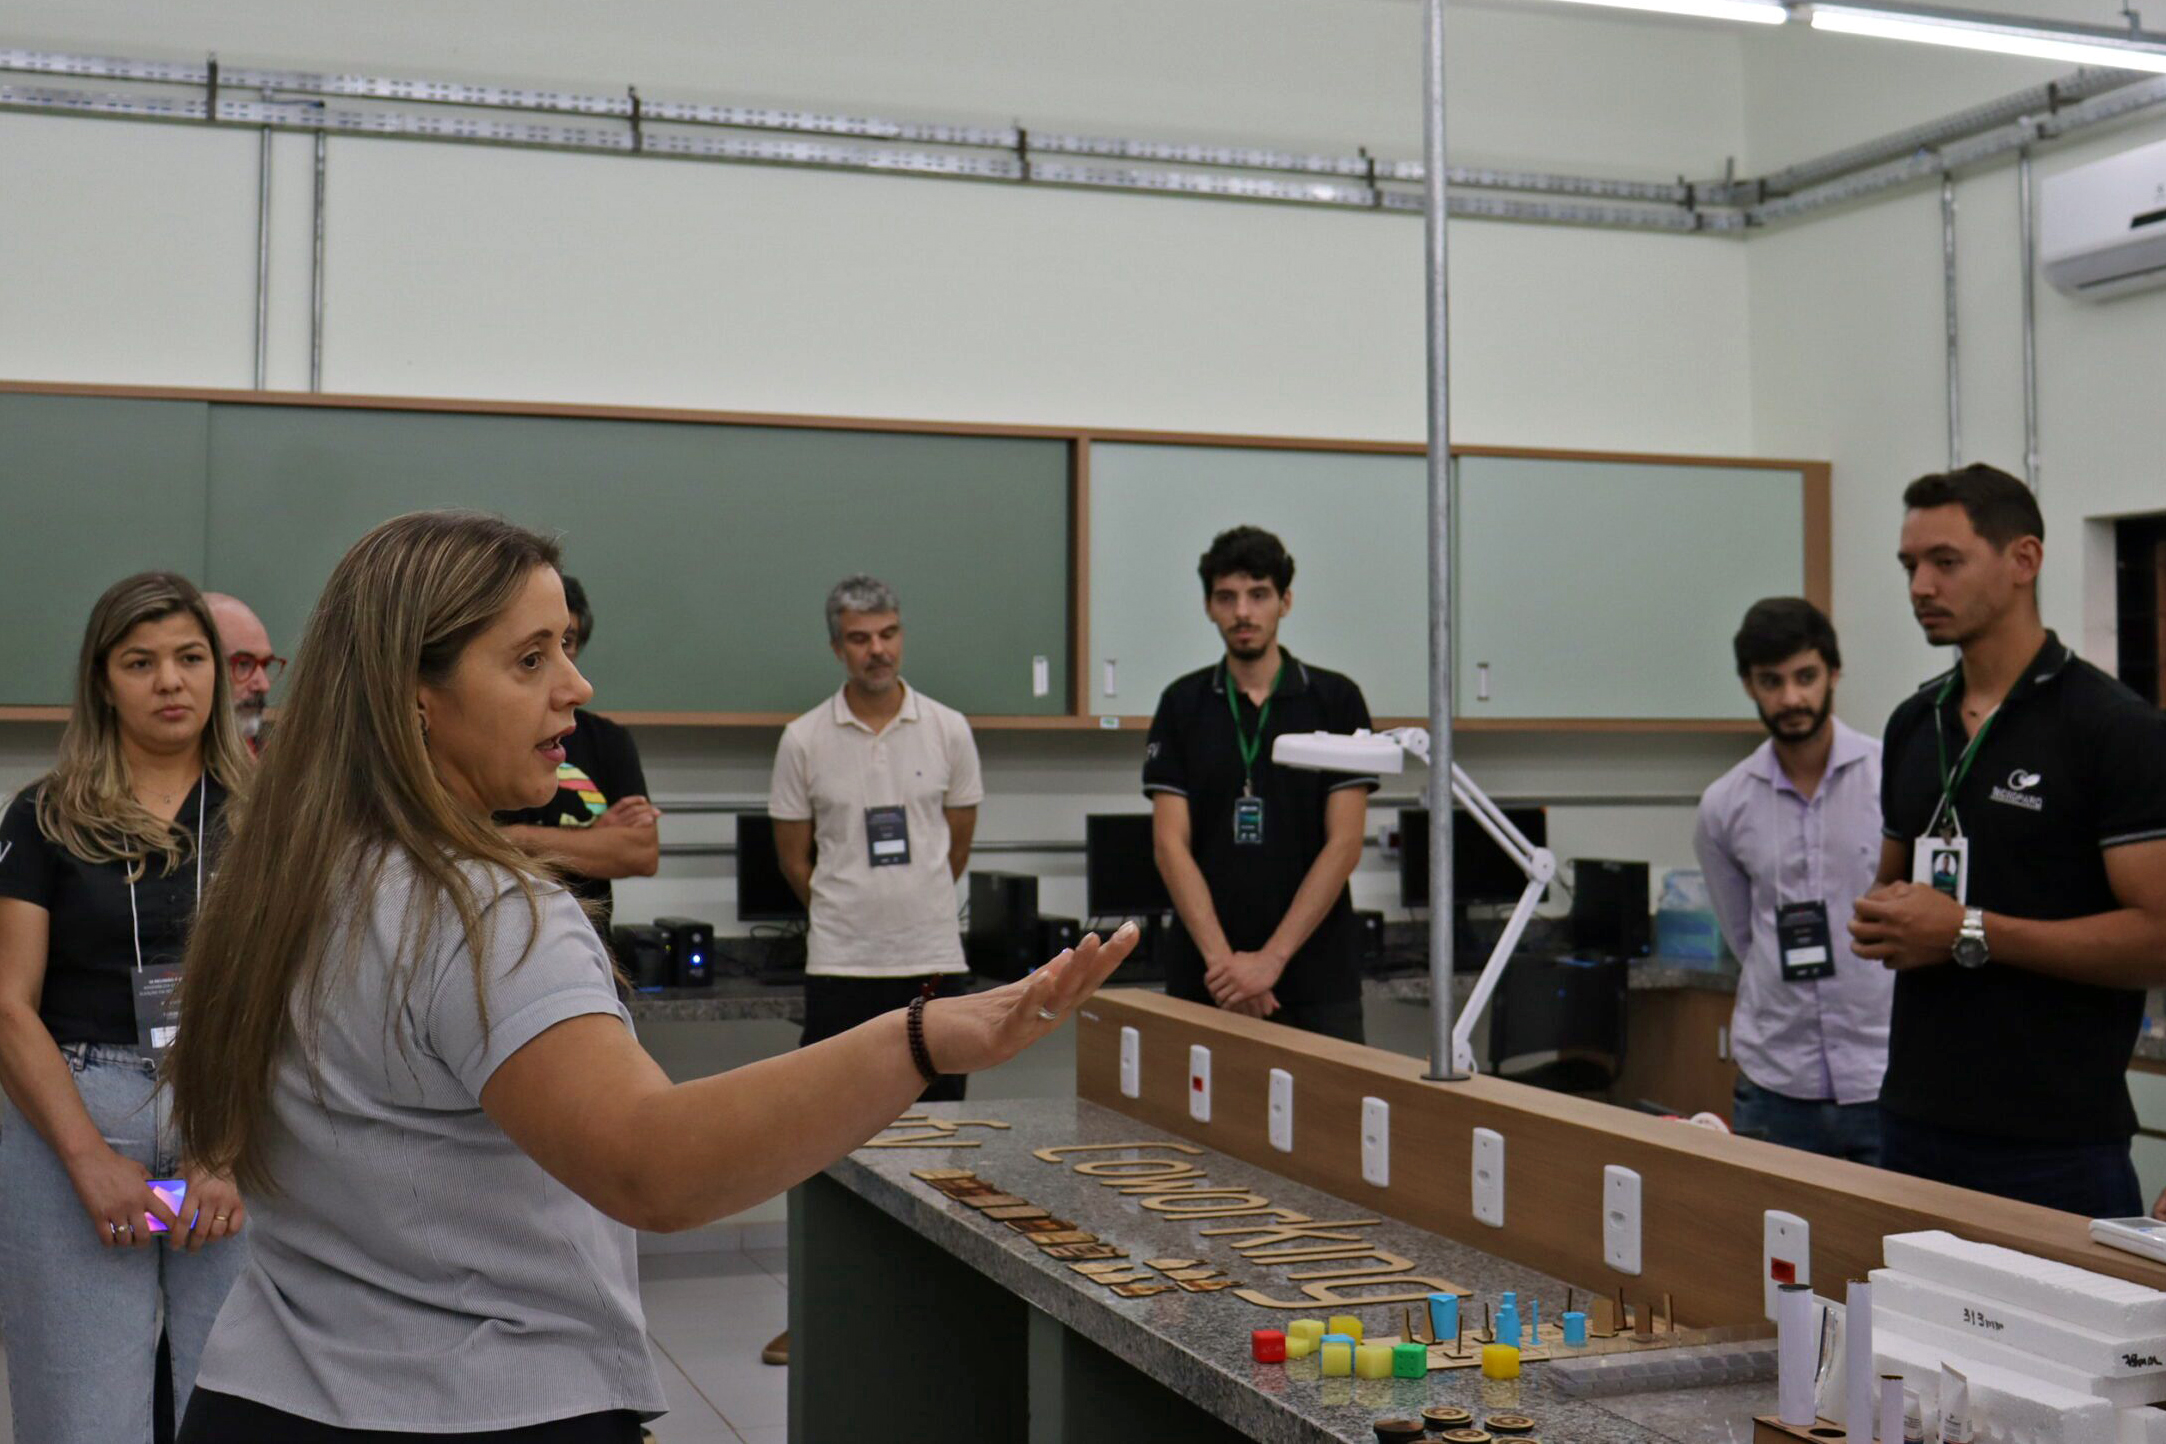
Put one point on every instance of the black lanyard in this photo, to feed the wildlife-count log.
(1251, 747)
(1950, 782)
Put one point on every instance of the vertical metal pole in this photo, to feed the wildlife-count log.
(263, 249)
(2029, 227)
(1947, 262)
(1435, 256)
(315, 299)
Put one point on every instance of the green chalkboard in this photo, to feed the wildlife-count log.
(93, 488)
(706, 549)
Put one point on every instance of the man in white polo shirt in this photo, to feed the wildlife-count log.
(885, 781)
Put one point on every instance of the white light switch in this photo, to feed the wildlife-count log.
(1110, 689)
(1131, 1063)
(1199, 1083)
(1041, 676)
(1786, 1255)
(1621, 1219)
(1489, 1177)
(1281, 1117)
(1376, 1142)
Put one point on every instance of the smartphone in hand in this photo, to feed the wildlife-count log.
(172, 1191)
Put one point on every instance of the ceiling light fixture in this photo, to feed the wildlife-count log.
(1752, 12)
(1997, 34)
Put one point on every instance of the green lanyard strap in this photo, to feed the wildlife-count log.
(1951, 782)
(1251, 747)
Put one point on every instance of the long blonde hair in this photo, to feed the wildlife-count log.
(345, 786)
(87, 803)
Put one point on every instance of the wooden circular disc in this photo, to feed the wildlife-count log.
(1464, 1436)
(1447, 1416)
(1508, 1424)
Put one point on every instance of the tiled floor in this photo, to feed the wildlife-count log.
(708, 1317)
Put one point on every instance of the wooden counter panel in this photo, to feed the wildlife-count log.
(1674, 1053)
(1703, 1193)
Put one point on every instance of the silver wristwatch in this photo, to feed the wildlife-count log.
(1970, 943)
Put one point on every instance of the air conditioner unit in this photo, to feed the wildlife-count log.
(2102, 227)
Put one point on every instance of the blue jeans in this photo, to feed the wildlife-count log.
(2097, 1180)
(1838, 1130)
(81, 1321)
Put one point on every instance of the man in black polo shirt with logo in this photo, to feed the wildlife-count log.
(2022, 889)
(1257, 856)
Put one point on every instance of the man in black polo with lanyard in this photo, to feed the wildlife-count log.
(1257, 856)
(2022, 889)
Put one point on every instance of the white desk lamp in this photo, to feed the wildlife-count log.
(1385, 752)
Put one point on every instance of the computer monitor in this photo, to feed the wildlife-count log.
(1120, 871)
(1482, 872)
(764, 895)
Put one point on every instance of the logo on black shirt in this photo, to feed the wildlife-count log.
(2018, 791)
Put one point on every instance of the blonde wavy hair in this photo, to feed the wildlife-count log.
(87, 803)
(345, 789)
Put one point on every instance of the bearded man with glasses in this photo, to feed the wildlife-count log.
(252, 665)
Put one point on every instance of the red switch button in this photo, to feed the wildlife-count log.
(1782, 1271)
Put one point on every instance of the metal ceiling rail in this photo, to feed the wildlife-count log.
(316, 116)
(2037, 100)
(631, 125)
(1007, 139)
(1969, 151)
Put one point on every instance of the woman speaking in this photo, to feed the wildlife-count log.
(404, 1040)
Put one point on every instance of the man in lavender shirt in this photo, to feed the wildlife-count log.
(1789, 839)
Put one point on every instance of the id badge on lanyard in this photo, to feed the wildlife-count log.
(1802, 940)
(1248, 808)
(887, 836)
(157, 1008)
(1940, 859)
(155, 988)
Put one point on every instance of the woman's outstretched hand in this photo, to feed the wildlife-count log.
(967, 1034)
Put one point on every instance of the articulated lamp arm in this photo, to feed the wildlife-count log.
(1385, 752)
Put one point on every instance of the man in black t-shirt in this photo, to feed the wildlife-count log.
(2022, 887)
(1257, 856)
(600, 824)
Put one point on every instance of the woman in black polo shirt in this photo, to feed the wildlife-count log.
(101, 868)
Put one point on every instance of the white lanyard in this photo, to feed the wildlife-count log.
(135, 921)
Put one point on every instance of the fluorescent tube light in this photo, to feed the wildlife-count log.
(2038, 40)
(1752, 12)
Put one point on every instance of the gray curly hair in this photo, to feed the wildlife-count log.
(859, 593)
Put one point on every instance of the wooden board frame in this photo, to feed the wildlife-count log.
(1819, 570)
(1704, 1197)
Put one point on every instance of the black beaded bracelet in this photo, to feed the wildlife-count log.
(918, 1053)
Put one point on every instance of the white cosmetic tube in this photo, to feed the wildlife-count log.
(1859, 1381)
(1797, 1352)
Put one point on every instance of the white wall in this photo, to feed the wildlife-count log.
(486, 273)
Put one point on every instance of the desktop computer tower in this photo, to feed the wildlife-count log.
(643, 953)
(1002, 941)
(1611, 910)
(691, 951)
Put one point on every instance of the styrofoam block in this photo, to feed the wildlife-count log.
(2143, 1426)
(2057, 1290)
(2009, 1408)
(2123, 1393)
(2087, 1350)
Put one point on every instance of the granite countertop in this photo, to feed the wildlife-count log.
(1198, 1344)
(729, 1000)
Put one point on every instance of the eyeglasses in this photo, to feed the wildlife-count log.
(245, 665)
